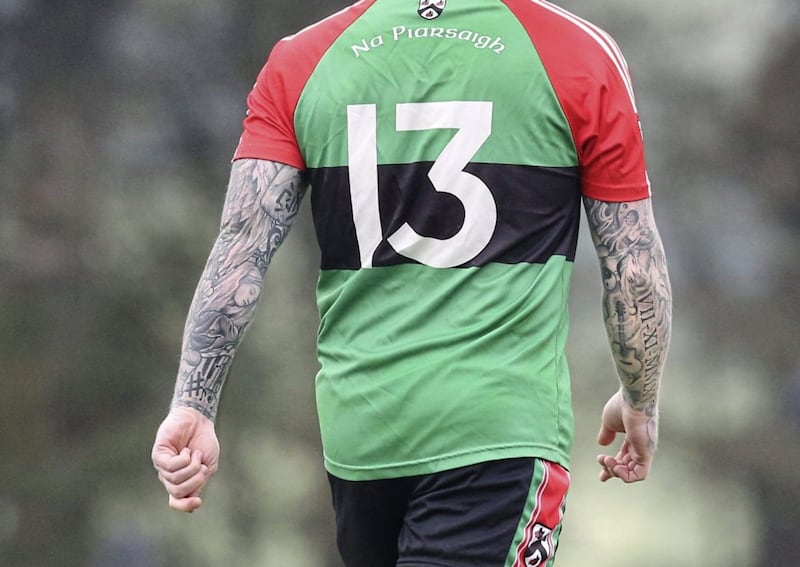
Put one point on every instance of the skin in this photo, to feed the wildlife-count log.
(260, 207)
(637, 310)
(261, 204)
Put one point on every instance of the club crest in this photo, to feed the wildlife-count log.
(539, 550)
(431, 9)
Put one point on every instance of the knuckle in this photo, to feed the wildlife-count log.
(183, 491)
(166, 477)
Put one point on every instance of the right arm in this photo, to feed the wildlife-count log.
(637, 310)
(260, 207)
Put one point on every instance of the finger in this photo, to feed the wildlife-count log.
(625, 455)
(607, 465)
(633, 472)
(628, 476)
(189, 487)
(640, 451)
(638, 460)
(606, 460)
(189, 504)
(169, 479)
(166, 458)
(182, 475)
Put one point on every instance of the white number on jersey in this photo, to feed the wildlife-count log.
(473, 123)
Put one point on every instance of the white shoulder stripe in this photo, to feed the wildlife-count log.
(605, 41)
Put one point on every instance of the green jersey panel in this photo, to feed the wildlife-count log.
(461, 386)
(475, 51)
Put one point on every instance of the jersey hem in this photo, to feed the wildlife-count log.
(440, 464)
(615, 194)
(256, 151)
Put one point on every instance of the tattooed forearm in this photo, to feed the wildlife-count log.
(260, 207)
(637, 300)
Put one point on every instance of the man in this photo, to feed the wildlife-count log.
(448, 145)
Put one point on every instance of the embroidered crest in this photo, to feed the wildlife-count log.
(431, 9)
(539, 551)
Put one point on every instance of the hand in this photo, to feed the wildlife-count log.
(632, 462)
(186, 455)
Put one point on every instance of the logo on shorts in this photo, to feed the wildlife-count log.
(539, 550)
(431, 9)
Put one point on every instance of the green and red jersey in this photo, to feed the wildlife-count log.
(447, 151)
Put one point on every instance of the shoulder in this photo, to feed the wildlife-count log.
(570, 44)
(317, 37)
(295, 57)
(553, 23)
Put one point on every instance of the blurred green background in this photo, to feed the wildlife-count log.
(118, 121)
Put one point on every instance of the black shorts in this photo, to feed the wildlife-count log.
(504, 513)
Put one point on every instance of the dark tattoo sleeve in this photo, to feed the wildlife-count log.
(637, 300)
(260, 207)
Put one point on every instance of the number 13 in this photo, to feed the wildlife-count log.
(473, 121)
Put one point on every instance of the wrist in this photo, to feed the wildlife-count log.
(634, 404)
(189, 407)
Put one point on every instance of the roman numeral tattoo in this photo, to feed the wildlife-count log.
(637, 299)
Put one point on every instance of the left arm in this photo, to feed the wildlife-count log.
(637, 309)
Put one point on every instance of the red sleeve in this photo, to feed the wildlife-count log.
(269, 125)
(608, 139)
(591, 80)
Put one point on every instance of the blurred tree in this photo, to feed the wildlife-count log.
(768, 324)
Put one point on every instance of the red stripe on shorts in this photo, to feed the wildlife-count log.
(548, 509)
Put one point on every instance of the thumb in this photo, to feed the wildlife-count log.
(606, 436)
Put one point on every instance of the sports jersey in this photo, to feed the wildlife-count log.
(447, 144)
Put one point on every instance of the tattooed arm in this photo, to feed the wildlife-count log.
(637, 310)
(260, 207)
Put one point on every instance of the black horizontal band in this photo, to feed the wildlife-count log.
(538, 212)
